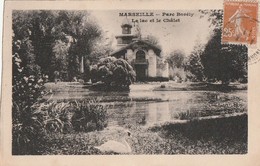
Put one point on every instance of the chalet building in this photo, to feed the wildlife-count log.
(142, 55)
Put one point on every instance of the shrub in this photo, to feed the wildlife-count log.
(28, 127)
(28, 130)
(188, 115)
(27, 88)
(89, 116)
(57, 116)
(113, 73)
(163, 86)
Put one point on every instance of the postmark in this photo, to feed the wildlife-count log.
(254, 57)
(240, 22)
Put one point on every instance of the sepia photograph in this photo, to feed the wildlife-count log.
(131, 82)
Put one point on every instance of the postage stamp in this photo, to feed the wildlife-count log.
(240, 22)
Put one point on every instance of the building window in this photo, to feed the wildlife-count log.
(126, 30)
(140, 55)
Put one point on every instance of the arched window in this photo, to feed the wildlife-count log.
(140, 55)
(126, 30)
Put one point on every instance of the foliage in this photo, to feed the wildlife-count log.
(224, 62)
(114, 73)
(57, 116)
(28, 127)
(153, 40)
(28, 134)
(213, 16)
(35, 125)
(188, 115)
(89, 116)
(176, 59)
(56, 40)
(60, 58)
(216, 61)
(193, 65)
(27, 85)
(160, 64)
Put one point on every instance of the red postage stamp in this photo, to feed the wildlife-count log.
(240, 22)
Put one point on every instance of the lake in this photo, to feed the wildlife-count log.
(146, 107)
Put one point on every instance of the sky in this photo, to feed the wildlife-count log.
(183, 34)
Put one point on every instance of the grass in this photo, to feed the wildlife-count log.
(211, 136)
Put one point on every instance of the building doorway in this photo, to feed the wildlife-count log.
(140, 72)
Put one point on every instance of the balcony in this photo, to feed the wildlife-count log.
(140, 61)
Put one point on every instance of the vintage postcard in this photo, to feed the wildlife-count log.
(130, 83)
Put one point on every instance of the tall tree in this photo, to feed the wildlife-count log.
(55, 40)
(224, 62)
(83, 34)
(193, 65)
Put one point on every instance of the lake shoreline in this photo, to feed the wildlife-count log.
(201, 87)
(150, 86)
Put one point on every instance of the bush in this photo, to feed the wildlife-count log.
(178, 74)
(188, 115)
(28, 123)
(34, 125)
(89, 116)
(57, 116)
(113, 73)
(28, 130)
(27, 87)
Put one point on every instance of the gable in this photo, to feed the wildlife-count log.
(140, 44)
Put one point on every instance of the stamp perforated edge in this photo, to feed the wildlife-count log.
(240, 43)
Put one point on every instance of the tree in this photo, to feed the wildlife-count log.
(115, 74)
(224, 62)
(213, 16)
(193, 65)
(22, 43)
(176, 59)
(56, 40)
(60, 58)
(83, 34)
(28, 126)
(153, 40)
(35, 27)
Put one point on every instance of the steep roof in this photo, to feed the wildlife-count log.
(156, 49)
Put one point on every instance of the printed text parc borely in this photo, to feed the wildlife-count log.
(152, 17)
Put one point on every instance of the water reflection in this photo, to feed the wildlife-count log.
(149, 112)
(146, 113)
